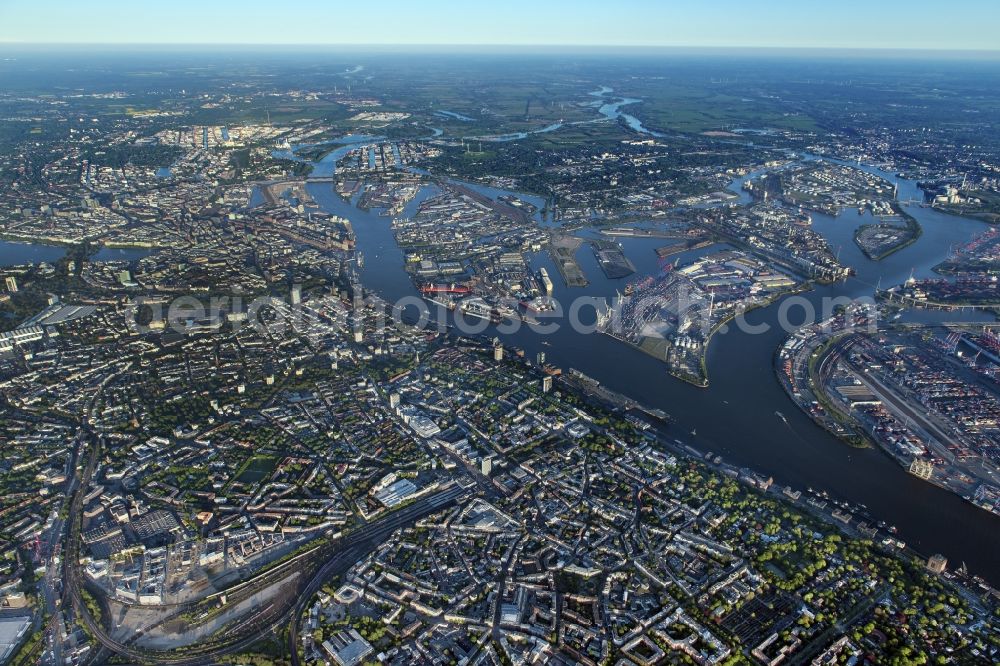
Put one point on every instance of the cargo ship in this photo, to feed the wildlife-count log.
(452, 288)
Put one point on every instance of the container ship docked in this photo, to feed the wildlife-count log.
(453, 289)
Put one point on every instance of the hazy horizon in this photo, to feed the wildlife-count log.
(607, 50)
(896, 25)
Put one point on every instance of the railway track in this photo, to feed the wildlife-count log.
(324, 562)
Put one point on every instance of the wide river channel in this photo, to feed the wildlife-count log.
(736, 415)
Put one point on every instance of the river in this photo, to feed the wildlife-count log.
(609, 108)
(735, 416)
(612, 110)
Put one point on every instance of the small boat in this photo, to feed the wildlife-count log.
(694, 433)
(781, 416)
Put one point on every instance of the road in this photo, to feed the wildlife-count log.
(72, 507)
(365, 540)
(898, 404)
(338, 557)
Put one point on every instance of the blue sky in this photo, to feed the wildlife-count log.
(916, 24)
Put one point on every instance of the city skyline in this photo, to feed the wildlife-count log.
(634, 23)
(438, 334)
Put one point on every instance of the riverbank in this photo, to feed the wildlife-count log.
(659, 350)
(957, 210)
(734, 416)
(19, 252)
(116, 245)
(803, 288)
(830, 418)
(40, 241)
(912, 227)
(563, 248)
(62, 243)
(834, 415)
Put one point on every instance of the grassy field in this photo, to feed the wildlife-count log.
(256, 468)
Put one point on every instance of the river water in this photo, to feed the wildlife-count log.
(612, 110)
(735, 416)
